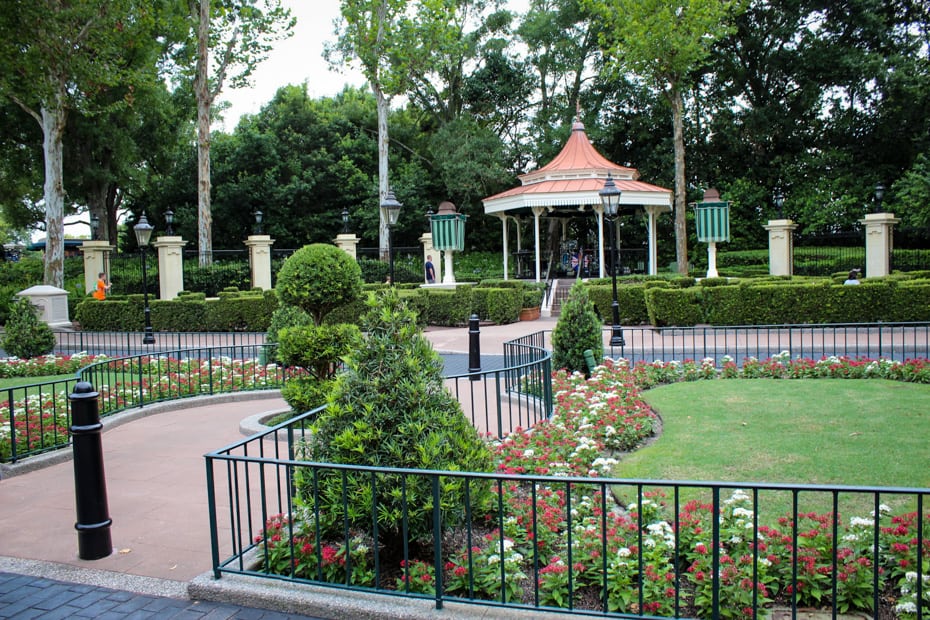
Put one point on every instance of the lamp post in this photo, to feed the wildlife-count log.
(94, 226)
(879, 194)
(779, 200)
(391, 209)
(345, 220)
(259, 216)
(169, 222)
(610, 200)
(143, 232)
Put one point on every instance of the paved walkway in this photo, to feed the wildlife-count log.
(156, 481)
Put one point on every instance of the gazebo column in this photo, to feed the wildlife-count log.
(599, 214)
(652, 211)
(537, 213)
(503, 217)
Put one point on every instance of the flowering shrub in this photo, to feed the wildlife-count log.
(290, 547)
(418, 577)
(492, 570)
(46, 365)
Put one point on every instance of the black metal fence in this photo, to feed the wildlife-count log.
(893, 341)
(118, 344)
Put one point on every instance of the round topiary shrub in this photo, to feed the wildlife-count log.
(318, 278)
(26, 336)
(578, 329)
(389, 408)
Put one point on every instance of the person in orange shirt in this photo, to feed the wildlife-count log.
(102, 287)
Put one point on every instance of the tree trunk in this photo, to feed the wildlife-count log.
(204, 101)
(681, 229)
(384, 105)
(53, 128)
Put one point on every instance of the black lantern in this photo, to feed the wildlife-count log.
(779, 200)
(94, 226)
(259, 216)
(143, 232)
(391, 208)
(610, 200)
(169, 221)
(345, 220)
(879, 194)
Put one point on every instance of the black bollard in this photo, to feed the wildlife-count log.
(474, 348)
(90, 485)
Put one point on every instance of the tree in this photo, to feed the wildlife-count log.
(392, 40)
(389, 408)
(578, 330)
(242, 33)
(664, 42)
(57, 58)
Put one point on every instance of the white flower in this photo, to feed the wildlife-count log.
(907, 607)
(624, 552)
(861, 522)
(882, 509)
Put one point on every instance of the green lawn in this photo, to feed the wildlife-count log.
(827, 431)
(18, 381)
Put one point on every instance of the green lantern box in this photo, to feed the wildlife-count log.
(712, 217)
(448, 228)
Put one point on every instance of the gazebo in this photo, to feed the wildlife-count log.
(571, 183)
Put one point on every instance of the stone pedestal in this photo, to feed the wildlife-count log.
(260, 260)
(96, 261)
(879, 238)
(781, 247)
(426, 240)
(347, 242)
(170, 266)
(52, 304)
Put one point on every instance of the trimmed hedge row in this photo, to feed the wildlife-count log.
(233, 310)
(773, 303)
(236, 310)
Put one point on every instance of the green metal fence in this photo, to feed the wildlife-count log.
(36, 418)
(587, 546)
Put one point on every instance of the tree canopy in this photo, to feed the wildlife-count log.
(819, 100)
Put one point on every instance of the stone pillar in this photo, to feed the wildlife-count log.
(879, 237)
(426, 240)
(652, 212)
(260, 260)
(170, 266)
(781, 247)
(96, 261)
(346, 242)
(52, 304)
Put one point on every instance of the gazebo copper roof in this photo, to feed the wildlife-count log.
(574, 178)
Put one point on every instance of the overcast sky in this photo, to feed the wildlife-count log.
(293, 61)
(300, 58)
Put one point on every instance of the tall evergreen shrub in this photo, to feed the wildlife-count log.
(389, 408)
(578, 329)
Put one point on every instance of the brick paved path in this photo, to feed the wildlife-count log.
(23, 596)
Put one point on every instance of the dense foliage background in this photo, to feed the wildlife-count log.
(822, 100)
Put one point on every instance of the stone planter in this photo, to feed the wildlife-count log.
(529, 314)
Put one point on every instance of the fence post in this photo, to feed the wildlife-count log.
(90, 485)
(474, 348)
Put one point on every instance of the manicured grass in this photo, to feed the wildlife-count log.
(18, 381)
(836, 432)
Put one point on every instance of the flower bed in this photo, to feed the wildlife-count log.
(574, 545)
